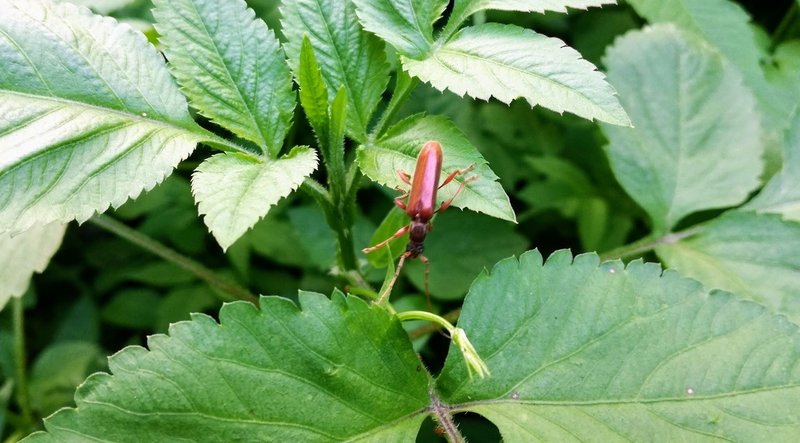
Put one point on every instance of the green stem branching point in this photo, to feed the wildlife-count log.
(145, 242)
(475, 365)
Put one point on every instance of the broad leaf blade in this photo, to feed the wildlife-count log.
(398, 150)
(24, 254)
(695, 144)
(726, 25)
(782, 193)
(405, 24)
(509, 62)
(91, 116)
(234, 191)
(335, 370)
(586, 352)
(752, 255)
(231, 67)
(348, 56)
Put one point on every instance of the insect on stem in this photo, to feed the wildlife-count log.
(420, 207)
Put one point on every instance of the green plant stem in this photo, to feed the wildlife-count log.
(427, 316)
(169, 254)
(21, 360)
(428, 328)
(405, 84)
(441, 413)
(649, 243)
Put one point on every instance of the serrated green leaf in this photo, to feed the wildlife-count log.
(509, 62)
(231, 67)
(398, 150)
(90, 115)
(234, 191)
(253, 377)
(405, 24)
(348, 56)
(313, 92)
(464, 8)
(582, 351)
(752, 255)
(24, 254)
(695, 144)
(726, 25)
(782, 193)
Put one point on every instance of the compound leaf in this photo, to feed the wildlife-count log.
(231, 67)
(509, 62)
(235, 190)
(253, 376)
(696, 143)
(397, 150)
(583, 351)
(23, 254)
(90, 114)
(752, 255)
(348, 56)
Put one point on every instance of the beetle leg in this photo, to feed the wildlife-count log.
(446, 204)
(399, 201)
(455, 173)
(397, 234)
(389, 287)
(404, 176)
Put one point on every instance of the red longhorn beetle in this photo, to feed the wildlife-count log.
(420, 206)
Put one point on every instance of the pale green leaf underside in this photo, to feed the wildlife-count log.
(399, 148)
(726, 25)
(509, 62)
(348, 56)
(234, 190)
(753, 255)
(338, 370)
(231, 66)
(405, 24)
(101, 6)
(464, 8)
(90, 115)
(782, 193)
(583, 351)
(24, 254)
(695, 144)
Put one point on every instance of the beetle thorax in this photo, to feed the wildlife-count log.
(416, 235)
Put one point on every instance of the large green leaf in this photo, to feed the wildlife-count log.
(234, 190)
(726, 25)
(24, 254)
(405, 24)
(398, 150)
(582, 351)
(695, 144)
(333, 371)
(752, 255)
(464, 8)
(782, 193)
(348, 56)
(90, 114)
(509, 62)
(231, 67)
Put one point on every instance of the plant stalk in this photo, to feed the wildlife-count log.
(441, 413)
(21, 360)
(649, 243)
(200, 271)
(783, 26)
